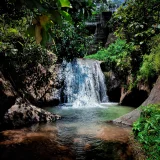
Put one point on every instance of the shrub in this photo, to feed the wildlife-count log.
(117, 57)
(147, 69)
(151, 65)
(147, 131)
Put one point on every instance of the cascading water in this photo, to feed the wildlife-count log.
(83, 83)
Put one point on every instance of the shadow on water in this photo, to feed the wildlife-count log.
(82, 134)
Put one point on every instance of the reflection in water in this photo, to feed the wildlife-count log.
(81, 134)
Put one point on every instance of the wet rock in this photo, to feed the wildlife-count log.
(154, 97)
(23, 113)
(129, 118)
(113, 86)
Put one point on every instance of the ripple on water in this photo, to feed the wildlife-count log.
(81, 134)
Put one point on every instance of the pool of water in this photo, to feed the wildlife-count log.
(81, 134)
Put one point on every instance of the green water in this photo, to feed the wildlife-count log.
(81, 134)
(103, 113)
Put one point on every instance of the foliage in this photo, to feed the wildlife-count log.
(156, 51)
(25, 64)
(151, 65)
(22, 61)
(137, 22)
(147, 131)
(71, 41)
(116, 57)
(42, 13)
(81, 10)
(147, 70)
(135, 28)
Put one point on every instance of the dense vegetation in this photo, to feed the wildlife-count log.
(116, 57)
(147, 130)
(141, 35)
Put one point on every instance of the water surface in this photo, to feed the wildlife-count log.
(82, 133)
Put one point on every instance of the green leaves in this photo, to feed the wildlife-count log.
(70, 41)
(135, 21)
(116, 57)
(65, 3)
(66, 15)
(147, 130)
(150, 66)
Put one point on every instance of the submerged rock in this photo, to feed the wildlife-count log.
(28, 145)
(23, 113)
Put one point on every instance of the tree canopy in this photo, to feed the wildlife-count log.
(43, 14)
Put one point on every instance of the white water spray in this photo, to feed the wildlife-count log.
(84, 83)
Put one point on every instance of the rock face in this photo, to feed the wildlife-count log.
(23, 113)
(128, 118)
(7, 95)
(153, 98)
(113, 86)
(48, 93)
(111, 38)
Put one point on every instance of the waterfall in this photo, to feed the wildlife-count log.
(84, 83)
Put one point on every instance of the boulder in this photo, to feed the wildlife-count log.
(154, 97)
(48, 93)
(23, 113)
(128, 118)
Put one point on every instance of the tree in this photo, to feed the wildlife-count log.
(42, 12)
(137, 22)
